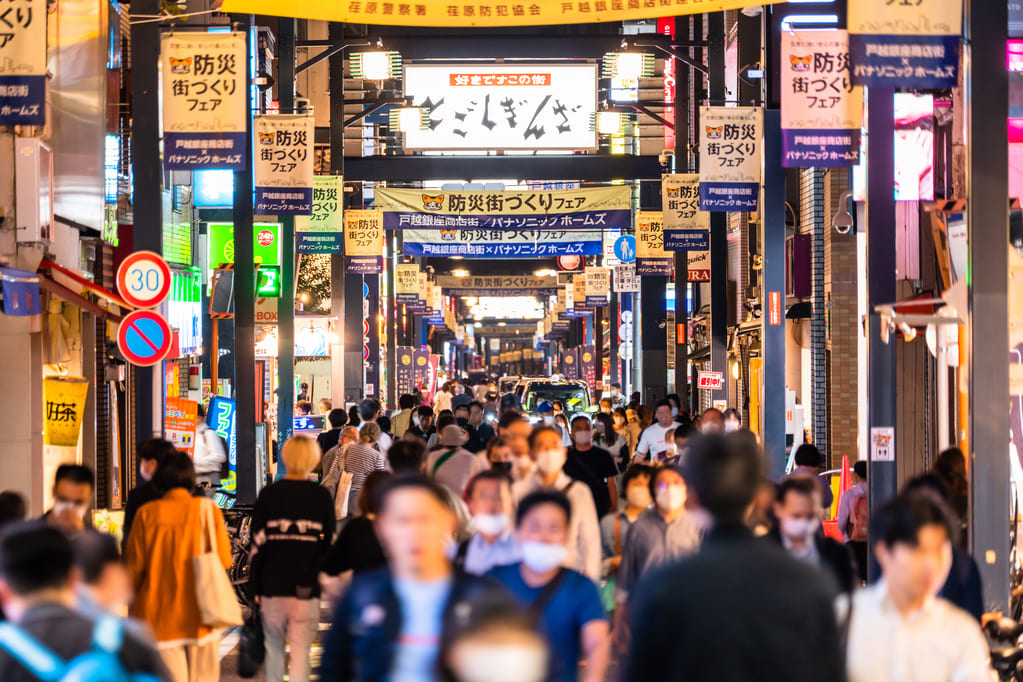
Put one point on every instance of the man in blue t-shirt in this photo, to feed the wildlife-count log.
(565, 602)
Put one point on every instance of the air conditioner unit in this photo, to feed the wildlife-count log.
(33, 167)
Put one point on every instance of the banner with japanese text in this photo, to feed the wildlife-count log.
(906, 45)
(406, 284)
(579, 293)
(23, 63)
(589, 208)
(570, 363)
(64, 409)
(731, 140)
(625, 280)
(405, 370)
(484, 243)
(588, 368)
(364, 242)
(821, 109)
(598, 283)
(180, 420)
(488, 13)
(284, 164)
(424, 294)
(498, 285)
(686, 227)
(323, 231)
(651, 258)
(205, 100)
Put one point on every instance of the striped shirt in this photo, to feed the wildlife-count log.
(360, 461)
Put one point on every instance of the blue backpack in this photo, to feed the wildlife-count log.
(102, 664)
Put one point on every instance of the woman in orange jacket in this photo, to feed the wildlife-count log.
(166, 535)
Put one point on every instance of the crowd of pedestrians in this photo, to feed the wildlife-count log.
(466, 541)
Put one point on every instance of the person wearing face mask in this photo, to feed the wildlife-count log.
(798, 531)
(498, 456)
(550, 416)
(73, 485)
(733, 420)
(713, 421)
(150, 454)
(661, 534)
(493, 543)
(583, 539)
(676, 407)
(614, 528)
(514, 428)
(593, 466)
(565, 602)
(104, 587)
(652, 443)
(899, 628)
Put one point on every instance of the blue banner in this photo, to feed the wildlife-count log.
(580, 220)
(686, 240)
(199, 151)
(405, 370)
(820, 148)
(23, 100)
(364, 265)
(905, 61)
(570, 363)
(221, 416)
(728, 196)
(658, 267)
(503, 250)
(283, 200)
(372, 340)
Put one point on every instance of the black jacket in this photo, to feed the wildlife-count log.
(362, 639)
(139, 495)
(834, 556)
(740, 610)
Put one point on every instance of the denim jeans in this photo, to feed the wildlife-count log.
(292, 620)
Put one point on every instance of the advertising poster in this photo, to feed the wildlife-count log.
(323, 231)
(651, 258)
(180, 419)
(23, 63)
(284, 164)
(699, 266)
(731, 140)
(821, 109)
(498, 285)
(205, 100)
(364, 242)
(406, 284)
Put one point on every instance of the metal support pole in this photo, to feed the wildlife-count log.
(336, 84)
(773, 288)
(880, 211)
(613, 341)
(245, 314)
(683, 97)
(598, 349)
(987, 93)
(392, 322)
(718, 220)
(147, 184)
(286, 303)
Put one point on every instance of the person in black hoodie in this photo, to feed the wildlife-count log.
(150, 454)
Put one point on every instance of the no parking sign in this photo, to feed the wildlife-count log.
(144, 338)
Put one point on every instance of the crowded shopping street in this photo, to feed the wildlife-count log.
(488, 341)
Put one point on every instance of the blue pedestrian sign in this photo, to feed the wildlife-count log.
(625, 248)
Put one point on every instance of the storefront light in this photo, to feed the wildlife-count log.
(628, 65)
(376, 66)
(610, 122)
(410, 119)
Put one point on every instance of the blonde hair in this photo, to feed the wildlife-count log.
(369, 433)
(300, 454)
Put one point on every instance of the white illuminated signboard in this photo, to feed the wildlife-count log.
(501, 106)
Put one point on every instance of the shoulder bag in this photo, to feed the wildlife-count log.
(218, 607)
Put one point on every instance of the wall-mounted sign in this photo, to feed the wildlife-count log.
(598, 283)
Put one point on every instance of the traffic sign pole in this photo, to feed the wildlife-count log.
(144, 338)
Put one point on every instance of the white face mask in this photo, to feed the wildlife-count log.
(674, 412)
(524, 462)
(543, 556)
(480, 662)
(799, 529)
(671, 497)
(584, 437)
(550, 461)
(548, 419)
(638, 496)
(491, 524)
(731, 426)
(63, 507)
(710, 428)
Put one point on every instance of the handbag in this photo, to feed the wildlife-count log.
(251, 645)
(344, 485)
(218, 607)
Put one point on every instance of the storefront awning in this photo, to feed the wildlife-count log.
(70, 286)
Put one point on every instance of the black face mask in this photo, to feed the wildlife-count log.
(503, 467)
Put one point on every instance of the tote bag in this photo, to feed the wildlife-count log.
(218, 607)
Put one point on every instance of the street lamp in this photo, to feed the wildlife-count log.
(609, 122)
(377, 65)
(409, 119)
(630, 65)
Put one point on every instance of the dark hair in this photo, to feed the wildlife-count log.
(664, 402)
(609, 436)
(424, 411)
(486, 475)
(861, 469)
(12, 507)
(445, 419)
(368, 409)
(353, 415)
(155, 448)
(35, 557)
(406, 482)
(535, 499)
(808, 455)
(509, 418)
(542, 429)
(406, 401)
(496, 442)
(337, 417)
(724, 473)
(367, 500)
(616, 385)
(304, 407)
(384, 422)
(75, 473)
(732, 412)
(715, 411)
(509, 402)
(620, 411)
(656, 474)
(175, 471)
(475, 403)
(93, 552)
(900, 519)
(582, 417)
(801, 485)
(930, 484)
(686, 429)
(463, 406)
(674, 397)
(634, 472)
(406, 456)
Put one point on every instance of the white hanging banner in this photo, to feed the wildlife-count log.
(23, 63)
(406, 284)
(205, 100)
(686, 227)
(284, 165)
(731, 141)
(651, 258)
(597, 285)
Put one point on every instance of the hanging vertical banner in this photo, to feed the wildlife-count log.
(579, 292)
(205, 100)
(821, 109)
(406, 284)
(436, 307)
(588, 368)
(905, 44)
(284, 165)
(221, 416)
(64, 403)
(570, 363)
(730, 149)
(686, 227)
(421, 358)
(598, 283)
(405, 370)
(323, 231)
(651, 259)
(371, 357)
(625, 279)
(570, 299)
(23, 63)
(364, 242)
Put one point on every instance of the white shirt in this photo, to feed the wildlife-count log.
(583, 540)
(481, 556)
(937, 643)
(652, 443)
(442, 401)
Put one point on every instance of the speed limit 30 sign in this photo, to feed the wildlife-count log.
(144, 279)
